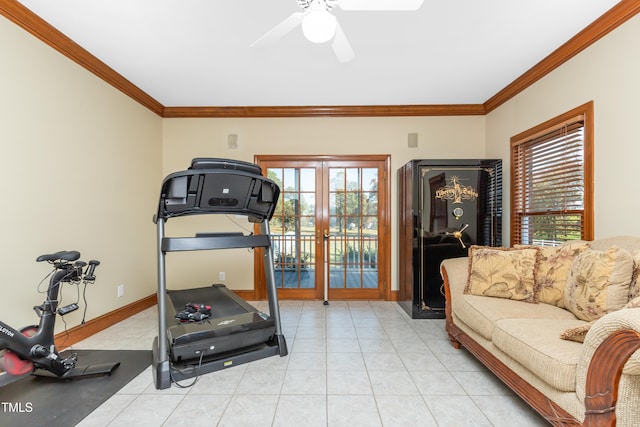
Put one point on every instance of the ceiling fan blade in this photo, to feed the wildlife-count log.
(341, 46)
(380, 4)
(279, 31)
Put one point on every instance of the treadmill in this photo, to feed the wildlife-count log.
(236, 332)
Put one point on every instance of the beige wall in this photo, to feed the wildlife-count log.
(438, 138)
(81, 163)
(80, 166)
(609, 74)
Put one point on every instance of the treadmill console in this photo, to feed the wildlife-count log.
(219, 186)
(212, 163)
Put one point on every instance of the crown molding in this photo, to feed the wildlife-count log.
(599, 28)
(23, 17)
(327, 111)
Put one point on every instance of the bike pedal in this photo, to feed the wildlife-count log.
(67, 309)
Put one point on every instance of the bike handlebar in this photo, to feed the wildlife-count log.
(62, 261)
(88, 275)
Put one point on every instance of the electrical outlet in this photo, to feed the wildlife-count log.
(222, 276)
(120, 291)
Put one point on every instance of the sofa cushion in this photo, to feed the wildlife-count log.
(628, 243)
(552, 270)
(535, 344)
(502, 273)
(481, 313)
(598, 283)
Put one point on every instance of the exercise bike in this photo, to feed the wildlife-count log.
(32, 348)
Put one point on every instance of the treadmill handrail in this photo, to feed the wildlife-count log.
(174, 244)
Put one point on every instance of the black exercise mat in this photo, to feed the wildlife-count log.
(39, 401)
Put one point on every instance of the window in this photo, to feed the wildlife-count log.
(552, 180)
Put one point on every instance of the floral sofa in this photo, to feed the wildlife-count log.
(559, 325)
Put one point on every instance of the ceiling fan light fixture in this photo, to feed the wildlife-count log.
(319, 26)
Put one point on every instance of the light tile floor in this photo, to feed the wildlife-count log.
(349, 364)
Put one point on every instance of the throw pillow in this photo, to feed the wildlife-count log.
(634, 303)
(502, 273)
(598, 283)
(552, 271)
(578, 333)
(634, 288)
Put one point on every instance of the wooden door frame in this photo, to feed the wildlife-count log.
(384, 222)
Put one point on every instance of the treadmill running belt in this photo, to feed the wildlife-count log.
(234, 323)
(221, 304)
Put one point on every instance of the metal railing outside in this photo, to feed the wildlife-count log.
(353, 260)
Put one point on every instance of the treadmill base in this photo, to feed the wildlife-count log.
(160, 369)
(165, 373)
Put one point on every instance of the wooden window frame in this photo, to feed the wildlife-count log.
(586, 111)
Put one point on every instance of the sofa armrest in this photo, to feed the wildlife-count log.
(454, 272)
(457, 274)
(610, 351)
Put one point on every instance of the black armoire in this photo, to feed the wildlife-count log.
(444, 207)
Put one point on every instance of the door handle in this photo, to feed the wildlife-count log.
(326, 234)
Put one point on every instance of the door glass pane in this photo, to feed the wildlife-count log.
(308, 180)
(369, 203)
(293, 228)
(353, 245)
(307, 204)
(336, 179)
(290, 179)
(353, 179)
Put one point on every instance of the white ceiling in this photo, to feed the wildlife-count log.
(196, 52)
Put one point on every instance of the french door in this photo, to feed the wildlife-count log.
(330, 228)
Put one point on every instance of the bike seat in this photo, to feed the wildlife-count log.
(61, 255)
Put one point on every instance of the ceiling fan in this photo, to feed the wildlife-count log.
(320, 26)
